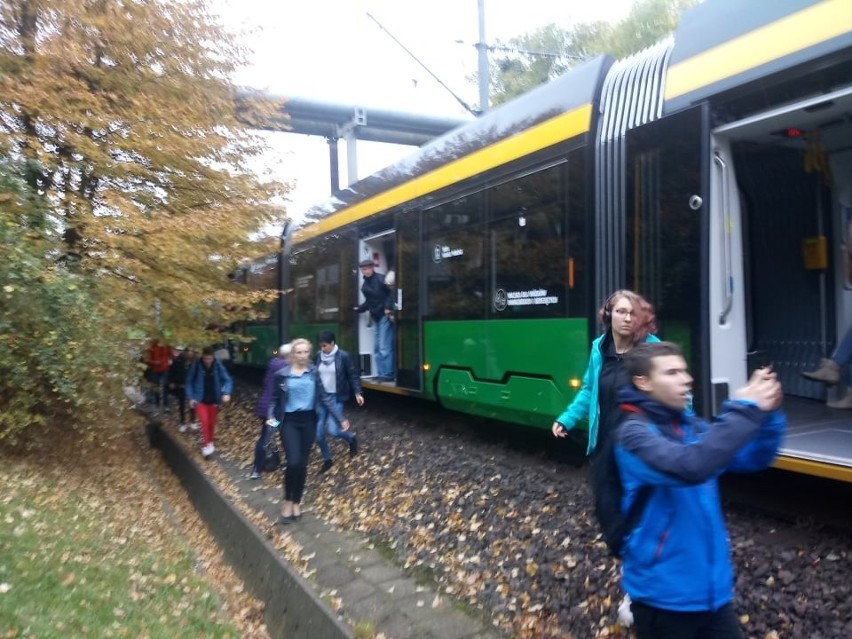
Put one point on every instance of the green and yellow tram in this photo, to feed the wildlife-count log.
(711, 172)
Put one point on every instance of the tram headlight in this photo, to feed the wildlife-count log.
(575, 383)
(426, 368)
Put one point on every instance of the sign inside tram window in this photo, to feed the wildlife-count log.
(443, 252)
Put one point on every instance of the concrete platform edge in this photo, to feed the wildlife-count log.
(292, 607)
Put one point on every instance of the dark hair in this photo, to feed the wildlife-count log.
(637, 361)
(643, 312)
(325, 337)
(207, 350)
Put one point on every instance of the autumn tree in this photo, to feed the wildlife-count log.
(118, 116)
(534, 58)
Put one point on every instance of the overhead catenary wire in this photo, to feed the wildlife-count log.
(464, 104)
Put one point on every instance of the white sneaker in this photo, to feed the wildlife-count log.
(208, 450)
(183, 428)
(195, 427)
(625, 615)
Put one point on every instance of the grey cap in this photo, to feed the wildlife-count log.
(366, 263)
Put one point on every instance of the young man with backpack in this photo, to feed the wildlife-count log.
(677, 567)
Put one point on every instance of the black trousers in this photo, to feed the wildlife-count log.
(656, 623)
(298, 433)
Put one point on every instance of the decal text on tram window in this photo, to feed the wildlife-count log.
(526, 298)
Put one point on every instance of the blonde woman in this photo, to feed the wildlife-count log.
(298, 391)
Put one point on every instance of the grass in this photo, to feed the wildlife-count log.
(89, 550)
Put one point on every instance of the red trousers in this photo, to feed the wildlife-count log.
(207, 414)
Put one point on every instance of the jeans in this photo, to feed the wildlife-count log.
(656, 623)
(256, 467)
(843, 354)
(325, 418)
(383, 352)
(298, 431)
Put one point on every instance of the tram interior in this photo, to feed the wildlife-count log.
(794, 175)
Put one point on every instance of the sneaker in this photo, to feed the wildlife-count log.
(326, 466)
(353, 446)
(844, 402)
(828, 372)
(207, 450)
(195, 427)
(254, 475)
(183, 428)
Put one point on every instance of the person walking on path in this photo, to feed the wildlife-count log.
(275, 364)
(298, 392)
(177, 384)
(208, 386)
(340, 380)
(628, 319)
(677, 559)
(377, 300)
(158, 357)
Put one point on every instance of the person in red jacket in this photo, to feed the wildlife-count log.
(158, 357)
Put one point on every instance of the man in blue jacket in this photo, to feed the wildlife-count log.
(677, 567)
(208, 386)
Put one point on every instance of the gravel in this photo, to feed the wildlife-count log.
(502, 520)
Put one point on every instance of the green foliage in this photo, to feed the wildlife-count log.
(514, 74)
(60, 348)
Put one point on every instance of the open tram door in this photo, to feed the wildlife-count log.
(395, 254)
(665, 217)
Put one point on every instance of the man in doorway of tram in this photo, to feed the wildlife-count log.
(208, 386)
(677, 566)
(340, 380)
(377, 300)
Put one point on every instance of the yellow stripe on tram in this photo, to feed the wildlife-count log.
(797, 31)
(557, 129)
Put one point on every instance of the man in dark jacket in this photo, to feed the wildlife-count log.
(340, 380)
(177, 384)
(377, 300)
(677, 566)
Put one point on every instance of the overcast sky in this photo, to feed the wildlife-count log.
(331, 50)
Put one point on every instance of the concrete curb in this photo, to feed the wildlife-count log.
(292, 608)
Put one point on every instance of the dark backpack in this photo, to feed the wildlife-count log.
(608, 491)
(271, 457)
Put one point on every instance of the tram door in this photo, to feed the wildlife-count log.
(666, 201)
(395, 254)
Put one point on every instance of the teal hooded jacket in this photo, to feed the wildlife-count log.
(585, 404)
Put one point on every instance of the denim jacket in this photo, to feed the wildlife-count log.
(278, 404)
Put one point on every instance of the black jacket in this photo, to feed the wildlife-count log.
(348, 380)
(376, 296)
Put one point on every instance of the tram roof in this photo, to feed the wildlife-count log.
(558, 111)
(723, 44)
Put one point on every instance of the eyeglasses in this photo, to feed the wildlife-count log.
(624, 312)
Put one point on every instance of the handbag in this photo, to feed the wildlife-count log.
(271, 456)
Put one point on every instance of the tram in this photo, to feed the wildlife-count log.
(711, 172)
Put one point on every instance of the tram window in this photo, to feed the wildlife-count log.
(328, 292)
(303, 281)
(527, 243)
(529, 264)
(454, 259)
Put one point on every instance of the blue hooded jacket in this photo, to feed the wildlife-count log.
(678, 557)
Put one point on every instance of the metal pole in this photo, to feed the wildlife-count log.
(482, 48)
(283, 283)
(333, 163)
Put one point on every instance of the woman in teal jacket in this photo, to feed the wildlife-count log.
(628, 319)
